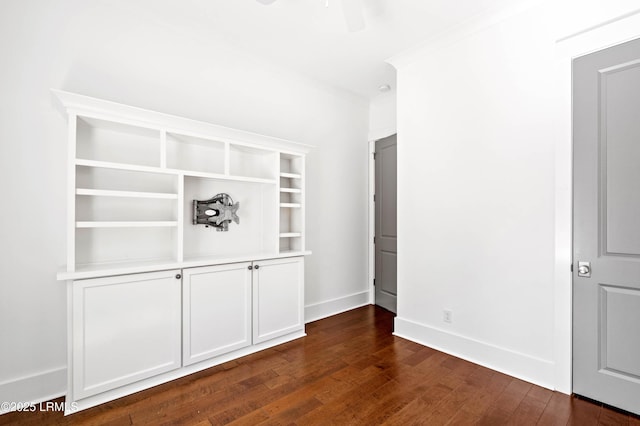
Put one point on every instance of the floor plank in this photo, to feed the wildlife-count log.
(350, 369)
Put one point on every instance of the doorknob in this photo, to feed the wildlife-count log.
(584, 269)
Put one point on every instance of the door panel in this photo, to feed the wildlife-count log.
(278, 298)
(606, 305)
(619, 349)
(126, 328)
(386, 223)
(216, 310)
(620, 103)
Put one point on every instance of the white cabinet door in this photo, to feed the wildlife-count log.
(124, 329)
(278, 298)
(216, 310)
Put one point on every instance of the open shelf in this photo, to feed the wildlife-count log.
(229, 178)
(290, 175)
(127, 224)
(135, 174)
(111, 141)
(102, 243)
(195, 154)
(291, 235)
(245, 161)
(125, 194)
(121, 166)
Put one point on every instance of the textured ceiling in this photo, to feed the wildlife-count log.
(312, 39)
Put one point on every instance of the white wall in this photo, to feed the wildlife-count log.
(103, 49)
(484, 188)
(383, 115)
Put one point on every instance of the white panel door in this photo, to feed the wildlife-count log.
(278, 298)
(386, 237)
(216, 310)
(606, 277)
(125, 329)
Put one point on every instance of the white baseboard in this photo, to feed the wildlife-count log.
(34, 389)
(530, 369)
(331, 307)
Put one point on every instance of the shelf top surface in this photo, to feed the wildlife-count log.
(122, 268)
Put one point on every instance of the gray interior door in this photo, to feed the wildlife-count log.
(386, 218)
(606, 304)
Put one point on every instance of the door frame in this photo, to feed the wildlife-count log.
(371, 249)
(607, 34)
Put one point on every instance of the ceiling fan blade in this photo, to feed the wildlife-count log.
(353, 15)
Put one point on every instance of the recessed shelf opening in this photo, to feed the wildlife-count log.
(103, 245)
(102, 140)
(97, 178)
(256, 232)
(252, 162)
(196, 154)
(91, 208)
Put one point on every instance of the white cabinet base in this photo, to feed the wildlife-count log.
(92, 401)
(131, 332)
(125, 329)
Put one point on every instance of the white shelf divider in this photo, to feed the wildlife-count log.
(127, 224)
(180, 215)
(71, 199)
(125, 194)
(290, 175)
(290, 234)
(291, 190)
(122, 166)
(290, 205)
(149, 169)
(224, 177)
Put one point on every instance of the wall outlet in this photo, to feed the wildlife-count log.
(447, 316)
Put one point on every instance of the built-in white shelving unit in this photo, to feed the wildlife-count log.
(133, 177)
(133, 251)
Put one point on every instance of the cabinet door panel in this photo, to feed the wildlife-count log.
(125, 329)
(217, 310)
(278, 298)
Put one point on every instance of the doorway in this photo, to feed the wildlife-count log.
(606, 236)
(385, 229)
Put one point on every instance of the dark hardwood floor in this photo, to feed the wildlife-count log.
(350, 369)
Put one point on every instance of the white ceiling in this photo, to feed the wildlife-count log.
(312, 39)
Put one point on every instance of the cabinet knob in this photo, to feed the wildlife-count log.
(178, 276)
(250, 267)
(257, 266)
